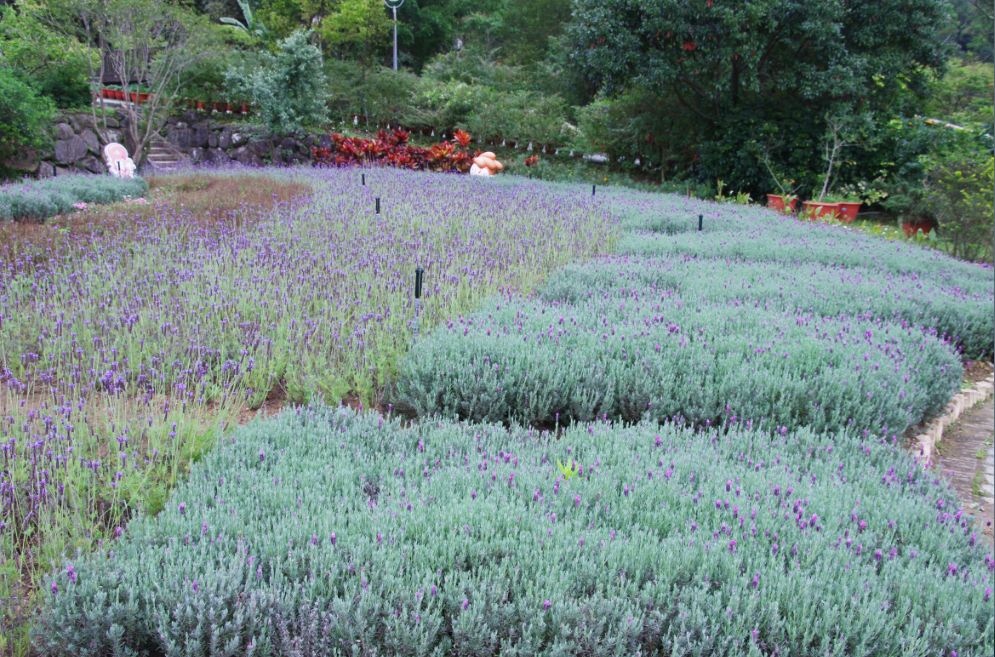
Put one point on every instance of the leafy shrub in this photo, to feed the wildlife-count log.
(393, 149)
(959, 195)
(288, 88)
(24, 117)
(46, 198)
(67, 84)
(444, 539)
(651, 353)
(381, 95)
(55, 65)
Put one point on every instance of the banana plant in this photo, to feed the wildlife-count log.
(249, 24)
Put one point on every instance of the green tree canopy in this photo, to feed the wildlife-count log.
(747, 70)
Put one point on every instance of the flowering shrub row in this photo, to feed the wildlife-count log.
(323, 533)
(661, 225)
(952, 308)
(642, 353)
(392, 149)
(46, 198)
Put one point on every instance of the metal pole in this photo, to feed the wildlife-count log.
(395, 37)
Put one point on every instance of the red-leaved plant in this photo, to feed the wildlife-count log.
(392, 148)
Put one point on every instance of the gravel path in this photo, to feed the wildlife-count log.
(967, 458)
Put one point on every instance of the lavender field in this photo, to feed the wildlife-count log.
(614, 433)
(122, 357)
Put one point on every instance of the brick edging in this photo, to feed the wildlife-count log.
(925, 441)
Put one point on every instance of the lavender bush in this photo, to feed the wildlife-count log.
(962, 316)
(639, 353)
(46, 198)
(321, 533)
(124, 357)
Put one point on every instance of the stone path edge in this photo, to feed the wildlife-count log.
(926, 440)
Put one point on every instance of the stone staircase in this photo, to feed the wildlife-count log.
(163, 157)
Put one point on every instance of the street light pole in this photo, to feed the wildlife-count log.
(394, 5)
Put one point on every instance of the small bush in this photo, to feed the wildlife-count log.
(645, 353)
(46, 198)
(25, 117)
(320, 532)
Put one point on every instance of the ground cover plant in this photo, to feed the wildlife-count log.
(639, 354)
(125, 353)
(38, 200)
(208, 202)
(321, 532)
(755, 318)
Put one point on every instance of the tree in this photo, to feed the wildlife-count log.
(774, 66)
(55, 65)
(357, 28)
(141, 42)
(25, 117)
(249, 24)
(288, 87)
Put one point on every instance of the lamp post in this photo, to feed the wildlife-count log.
(394, 5)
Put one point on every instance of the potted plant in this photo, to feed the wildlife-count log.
(911, 227)
(847, 206)
(786, 201)
(838, 136)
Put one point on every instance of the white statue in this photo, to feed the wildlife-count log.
(119, 164)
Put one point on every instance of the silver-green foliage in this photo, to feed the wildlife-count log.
(641, 352)
(325, 533)
(46, 198)
(959, 310)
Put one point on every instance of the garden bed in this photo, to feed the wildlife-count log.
(448, 539)
(129, 347)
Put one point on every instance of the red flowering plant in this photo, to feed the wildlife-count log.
(392, 148)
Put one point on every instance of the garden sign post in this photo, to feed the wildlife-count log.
(394, 5)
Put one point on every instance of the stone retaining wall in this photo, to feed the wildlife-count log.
(208, 141)
(76, 147)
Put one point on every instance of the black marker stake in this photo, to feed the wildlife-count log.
(378, 205)
(594, 190)
(419, 276)
(363, 180)
(701, 219)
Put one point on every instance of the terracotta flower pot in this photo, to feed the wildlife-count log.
(912, 228)
(817, 209)
(848, 211)
(245, 108)
(200, 106)
(776, 202)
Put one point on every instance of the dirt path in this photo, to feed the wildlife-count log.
(967, 459)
